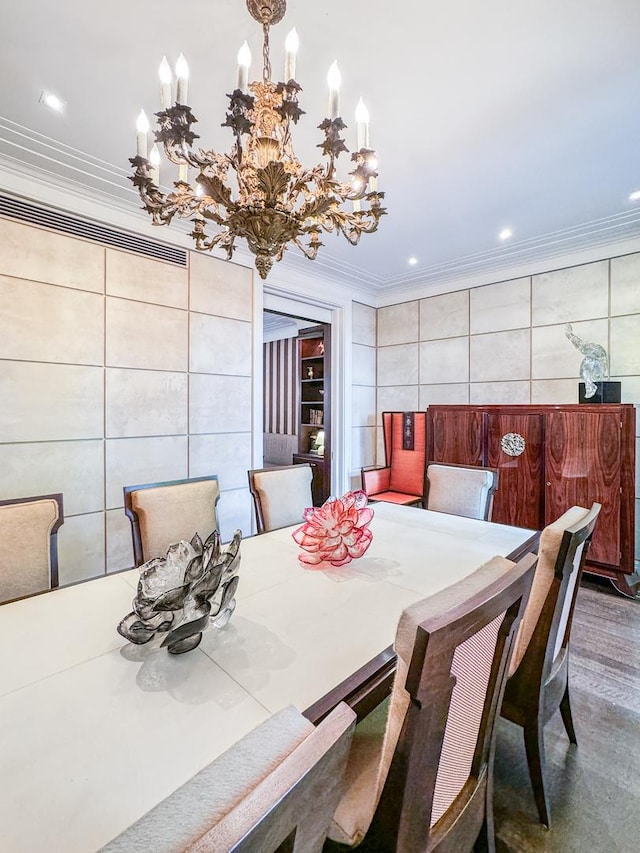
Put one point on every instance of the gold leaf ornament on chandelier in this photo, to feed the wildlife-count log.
(275, 201)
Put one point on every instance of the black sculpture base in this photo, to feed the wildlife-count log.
(608, 392)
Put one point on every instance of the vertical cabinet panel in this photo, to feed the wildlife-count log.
(519, 499)
(456, 437)
(583, 465)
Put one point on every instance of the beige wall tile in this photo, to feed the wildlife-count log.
(569, 295)
(235, 512)
(363, 365)
(219, 403)
(554, 391)
(47, 402)
(398, 324)
(502, 306)
(132, 461)
(219, 287)
(75, 468)
(363, 324)
(444, 395)
(630, 392)
(119, 542)
(444, 361)
(398, 365)
(445, 316)
(44, 322)
(625, 285)
(554, 357)
(146, 280)
(625, 345)
(220, 345)
(40, 255)
(145, 402)
(226, 454)
(500, 356)
(363, 406)
(81, 548)
(146, 336)
(400, 398)
(500, 393)
(363, 448)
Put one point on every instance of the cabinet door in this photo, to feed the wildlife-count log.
(583, 465)
(456, 437)
(519, 499)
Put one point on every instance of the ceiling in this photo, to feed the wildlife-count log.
(485, 115)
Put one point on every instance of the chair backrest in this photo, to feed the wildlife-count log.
(460, 489)
(164, 513)
(546, 624)
(280, 494)
(405, 450)
(434, 762)
(29, 544)
(279, 784)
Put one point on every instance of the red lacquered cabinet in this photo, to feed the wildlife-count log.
(550, 458)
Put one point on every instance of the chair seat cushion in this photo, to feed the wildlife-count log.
(395, 497)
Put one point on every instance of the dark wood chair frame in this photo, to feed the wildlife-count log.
(257, 504)
(403, 816)
(492, 489)
(540, 684)
(53, 536)
(132, 515)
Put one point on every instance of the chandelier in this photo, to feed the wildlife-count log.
(259, 191)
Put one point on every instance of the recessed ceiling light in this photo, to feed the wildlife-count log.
(635, 196)
(52, 101)
(413, 261)
(505, 234)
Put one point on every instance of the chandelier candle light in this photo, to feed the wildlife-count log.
(271, 200)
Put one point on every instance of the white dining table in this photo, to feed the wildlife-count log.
(95, 731)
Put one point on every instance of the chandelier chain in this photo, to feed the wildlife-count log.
(266, 69)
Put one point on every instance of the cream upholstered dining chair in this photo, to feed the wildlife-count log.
(278, 785)
(419, 775)
(280, 494)
(538, 681)
(29, 544)
(460, 489)
(164, 513)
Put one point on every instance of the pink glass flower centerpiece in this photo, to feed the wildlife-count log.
(336, 532)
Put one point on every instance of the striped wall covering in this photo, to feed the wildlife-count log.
(281, 386)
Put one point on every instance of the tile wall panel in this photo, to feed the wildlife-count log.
(363, 406)
(548, 391)
(364, 448)
(500, 356)
(445, 316)
(398, 324)
(235, 511)
(84, 412)
(364, 324)
(572, 294)
(146, 280)
(625, 345)
(364, 365)
(146, 336)
(444, 395)
(502, 306)
(553, 356)
(219, 345)
(625, 285)
(38, 254)
(398, 365)
(226, 454)
(44, 322)
(219, 287)
(444, 361)
(145, 402)
(49, 402)
(399, 398)
(484, 393)
(134, 461)
(75, 468)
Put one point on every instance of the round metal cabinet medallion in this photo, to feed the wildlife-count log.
(513, 443)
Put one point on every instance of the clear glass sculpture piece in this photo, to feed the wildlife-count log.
(335, 533)
(178, 594)
(595, 364)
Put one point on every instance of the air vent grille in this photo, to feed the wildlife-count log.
(58, 221)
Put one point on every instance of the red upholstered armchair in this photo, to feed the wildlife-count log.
(401, 481)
